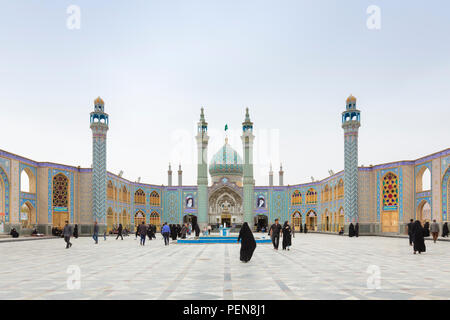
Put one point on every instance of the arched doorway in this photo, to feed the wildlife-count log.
(27, 216)
(4, 196)
(60, 200)
(139, 217)
(261, 222)
(311, 220)
(155, 220)
(296, 220)
(187, 218)
(390, 202)
(424, 212)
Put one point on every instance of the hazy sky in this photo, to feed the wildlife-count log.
(293, 63)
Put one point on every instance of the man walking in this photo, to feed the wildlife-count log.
(67, 232)
(143, 233)
(434, 228)
(119, 232)
(410, 231)
(95, 235)
(165, 232)
(274, 232)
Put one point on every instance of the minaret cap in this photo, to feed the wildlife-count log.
(351, 99)
(99, 101)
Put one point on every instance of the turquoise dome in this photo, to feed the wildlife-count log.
(226, 162)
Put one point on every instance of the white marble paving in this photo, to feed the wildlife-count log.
(317, 267)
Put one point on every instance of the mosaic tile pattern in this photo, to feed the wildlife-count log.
(317, 267)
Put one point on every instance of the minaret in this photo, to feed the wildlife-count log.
(169, 176)
(281, 174)
(99, 127)
(271, 176)
(247, 142)
(180, 176)
(202, 170)
(350, 124)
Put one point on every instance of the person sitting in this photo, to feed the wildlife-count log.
(14, 233)
(34, 233)
(341, 232)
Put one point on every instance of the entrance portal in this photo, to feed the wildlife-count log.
(261, 222)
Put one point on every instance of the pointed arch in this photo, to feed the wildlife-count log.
(311, 196)
(4, 196)
(110, 190)
(139, 197)
(296, 220)
(340, 189)
(61, 200)
(27, 181)
(423, 179)
(155, 199)
(296, 198)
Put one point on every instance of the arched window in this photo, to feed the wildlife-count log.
(27, 181)
(340, 189)
(154, 199)
(311, 196)
(326, 194)
(297, 220)
(60, 191)
(390, 191)
(154, 218)
(296, 198)
(110, 190)
(139, 197)
(139, 217)
(423, 180)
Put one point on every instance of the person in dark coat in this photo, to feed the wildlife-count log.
(301, 228)
(142, 229)
(195, 226)
(287, 233)
(445, 230)
(173, 232)
(410, 231)
(75, 232)
(357, 229)
(119, 232)
(305, 228)
(351, 230)
(150, 232)
(418, 237)
(274, 232)
(184, 231)
(67, 232)
(248, 243)
(14, 233)
(426, 227)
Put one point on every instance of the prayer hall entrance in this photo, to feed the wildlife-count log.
(59, 219)
(261, 222)
(311, 220)
(296, 221)
(225, 218)
(423, 213)
(187, 218)
(139, 217)
(389, 221)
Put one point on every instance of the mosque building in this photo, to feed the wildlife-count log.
(381, 198)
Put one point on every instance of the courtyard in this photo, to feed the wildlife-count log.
(318, 266)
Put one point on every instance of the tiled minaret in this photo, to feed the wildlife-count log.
(169, 176)
(270, 176)
(350, 123)
(281, 175)
(180, 176)
(249, 182)
(99, 126)
(202, 170)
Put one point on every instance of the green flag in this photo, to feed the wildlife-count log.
(226, 127)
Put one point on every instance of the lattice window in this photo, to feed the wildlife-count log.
(296, 198)
(60, 191)
(390, 191)
(311, 196)
(326, 194)
(340, 189)
(139, 197)
(110, 190)
(154, 218)
(154, 199)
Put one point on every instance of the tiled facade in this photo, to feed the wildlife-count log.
(319, 204)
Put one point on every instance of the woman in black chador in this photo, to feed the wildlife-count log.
(418, 237)
(351, 230)
(445, 230)
(305, 229)
(150, 233)
(357, 229)
(75, 232)
(426, 229)
(173, 231)
(248, 243)
(287, 233)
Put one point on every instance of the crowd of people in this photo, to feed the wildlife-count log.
(417, 234)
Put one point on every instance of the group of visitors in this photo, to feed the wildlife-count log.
(353, 230)
(276, 231)
(145, 231)
(417, 234)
